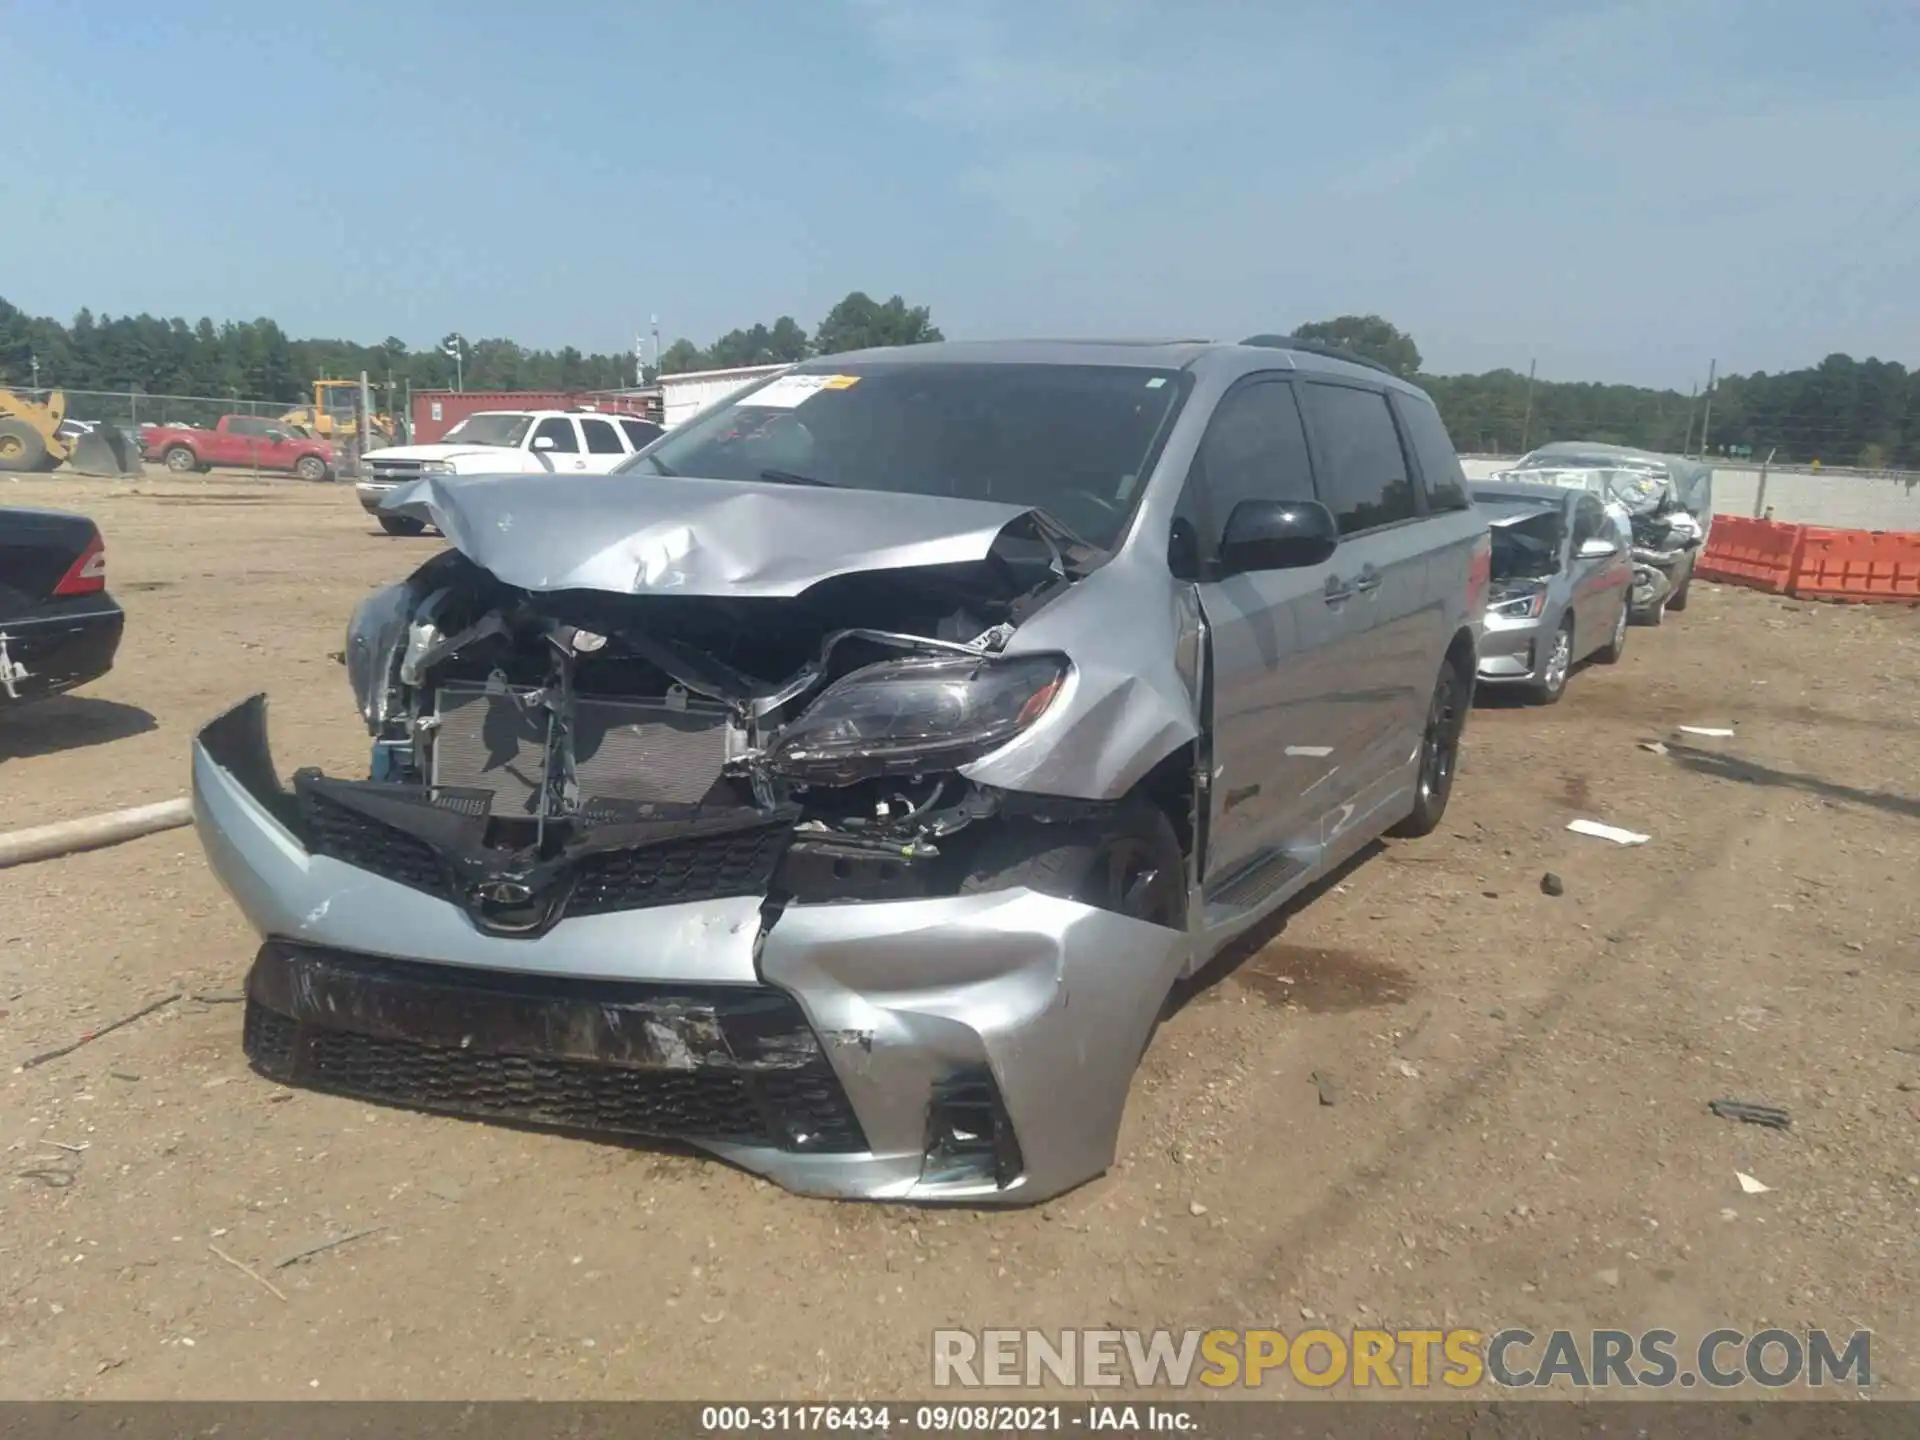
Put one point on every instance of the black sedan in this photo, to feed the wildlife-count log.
(58, 625)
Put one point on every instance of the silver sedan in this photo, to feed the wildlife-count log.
(1562, 579)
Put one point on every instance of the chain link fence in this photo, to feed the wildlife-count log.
(130, 410)
(134, 408)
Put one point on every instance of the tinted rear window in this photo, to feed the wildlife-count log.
(1440, 472)
(1363, 475)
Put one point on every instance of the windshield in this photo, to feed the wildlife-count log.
(1526, 541)
(1074, 440)
(507, 430)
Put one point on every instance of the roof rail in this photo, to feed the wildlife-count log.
(1314, 347)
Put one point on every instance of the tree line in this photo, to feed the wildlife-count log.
(257, 360)
(1842, 411)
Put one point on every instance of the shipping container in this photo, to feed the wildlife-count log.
(686, 395)
(437, 411)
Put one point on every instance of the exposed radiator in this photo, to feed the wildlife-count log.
(632, 750)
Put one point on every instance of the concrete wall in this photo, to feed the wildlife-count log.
(1797, 497)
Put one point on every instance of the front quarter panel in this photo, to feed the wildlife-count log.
(1127, 705)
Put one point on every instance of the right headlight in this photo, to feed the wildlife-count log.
(437, 467)
(909, 716)
(1523, 604)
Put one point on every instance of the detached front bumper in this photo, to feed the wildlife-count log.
(974, 1048)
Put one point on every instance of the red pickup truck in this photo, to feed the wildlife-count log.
(245, 441)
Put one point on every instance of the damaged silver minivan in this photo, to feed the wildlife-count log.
(843, 785)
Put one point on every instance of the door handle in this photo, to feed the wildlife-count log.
(1368, 580)
(1337, 590)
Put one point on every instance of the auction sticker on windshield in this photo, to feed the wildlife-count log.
(793, 390)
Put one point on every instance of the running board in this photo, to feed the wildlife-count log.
(1253, 883)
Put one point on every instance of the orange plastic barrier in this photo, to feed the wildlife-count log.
(1856, 565)
(1812, 563)
(1756, 553)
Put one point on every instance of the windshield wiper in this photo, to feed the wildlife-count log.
(789, 477)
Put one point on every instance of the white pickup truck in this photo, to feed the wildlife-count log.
(503, 442)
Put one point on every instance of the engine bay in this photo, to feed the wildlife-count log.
(515, 733)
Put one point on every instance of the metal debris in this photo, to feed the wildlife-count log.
(1770, 1116)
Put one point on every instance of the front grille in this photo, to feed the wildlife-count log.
(699, 868)
(792, 1101)
(395, 470)
(668, 872)
(346, 835)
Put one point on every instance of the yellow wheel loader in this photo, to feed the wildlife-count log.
(334, 414)
(32, 439)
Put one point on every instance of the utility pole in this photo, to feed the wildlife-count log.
(1760, 495)
(366, 421)
(656, 342)
(1693, 401)
(639, 361)
(1526, 425)
(34, 360)
(456, 348)
(1707, 418)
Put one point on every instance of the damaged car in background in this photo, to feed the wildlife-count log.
(843, 784)
(1664, 502)
(1560, 591)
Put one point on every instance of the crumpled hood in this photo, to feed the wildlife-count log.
(639, 534)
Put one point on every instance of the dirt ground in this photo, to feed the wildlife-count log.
(1520, 1134)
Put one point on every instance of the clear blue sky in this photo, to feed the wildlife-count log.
(1623, 191)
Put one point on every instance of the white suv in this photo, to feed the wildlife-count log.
(504, 442)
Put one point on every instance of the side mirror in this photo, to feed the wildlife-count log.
(1597, 549)
(1278, 535)
(543, 442)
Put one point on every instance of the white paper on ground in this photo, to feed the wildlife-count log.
(1607, 832)
(1750, 1185)
(1712, 730)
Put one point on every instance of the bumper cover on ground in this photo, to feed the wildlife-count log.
(1040, 1004)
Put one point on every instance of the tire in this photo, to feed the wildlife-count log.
(181, 460)
(401, 525)
(1678, 600)
(1617, 646)
(1552, 683)
(1439, 752)
(21, 447)
(1130, 864)
(310, 467)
